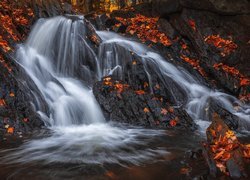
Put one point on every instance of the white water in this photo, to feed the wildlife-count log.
(79, 131)
(198, 95)
(55, 55)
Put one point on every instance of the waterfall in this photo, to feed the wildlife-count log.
(52, 55)
(63, 66)
(198, 95)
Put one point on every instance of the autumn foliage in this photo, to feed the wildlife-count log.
(224, 144)
(195, 63)
(12, 19)
(145, 28)
(192, 24)
(244, 81)
(115, 85)
(226, 46)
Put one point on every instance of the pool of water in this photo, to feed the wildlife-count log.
(178, 162)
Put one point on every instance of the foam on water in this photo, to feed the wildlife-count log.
(56, 56)
(79, 132)
(198, 95)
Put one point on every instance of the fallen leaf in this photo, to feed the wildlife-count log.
(146, 110)
(10, 130)
(164, 111)
(173, 122)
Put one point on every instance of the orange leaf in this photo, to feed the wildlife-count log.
(219, 155)
(146, 110)
(222, 167)
(184, 170)
(226, 156)
(140, 92)
(192, 24)
(244, 82)
(10, 130)
(164, 111)
(173, 122)
(2, 102)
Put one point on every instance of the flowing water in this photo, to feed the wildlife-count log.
(64, 66)
(198, 95)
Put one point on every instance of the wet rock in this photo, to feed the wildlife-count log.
(19, 96)
(164, 7)
(18, 112)
(127, 106)
(166, 27)
(219, 6)
(206, 24)
(44, 8)
(224, 7)
(233, 168)
(223, 151)
(232, 121)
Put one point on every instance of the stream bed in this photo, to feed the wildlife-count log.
(176, 162)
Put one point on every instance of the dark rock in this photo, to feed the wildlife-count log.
(44, 8)
(164, 7)
(223, 151)
(18, 111)
(232, 121)
(208, 23)
(166, 27)
(233, 168)
(224, 7)
(142, 110)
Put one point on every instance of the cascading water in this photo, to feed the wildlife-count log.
(198, 95)
(56, 55)
(54, 42)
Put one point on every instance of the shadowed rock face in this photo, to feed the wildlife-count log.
(224, 7)
(232, 161)
(143, 110)
(211, 18)
(17, 91)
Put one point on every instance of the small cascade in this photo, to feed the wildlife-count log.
(63, 66)
(197, 95)
(52, 56)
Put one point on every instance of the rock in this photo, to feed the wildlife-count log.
(44, 8)
(224, 7)
(17, 112)
(164, 7)
(166, 27)
(127, 106)
(233, 168)
(232, 121)
(207, 24)
(231, 6)
(17, 91)
(223, 151)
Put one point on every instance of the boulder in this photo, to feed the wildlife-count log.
(121, 103)
(223, 151)
(223, 7)
(164, 7)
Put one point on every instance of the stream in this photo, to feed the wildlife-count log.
(78, 141)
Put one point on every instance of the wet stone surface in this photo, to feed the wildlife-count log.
(129, 106)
